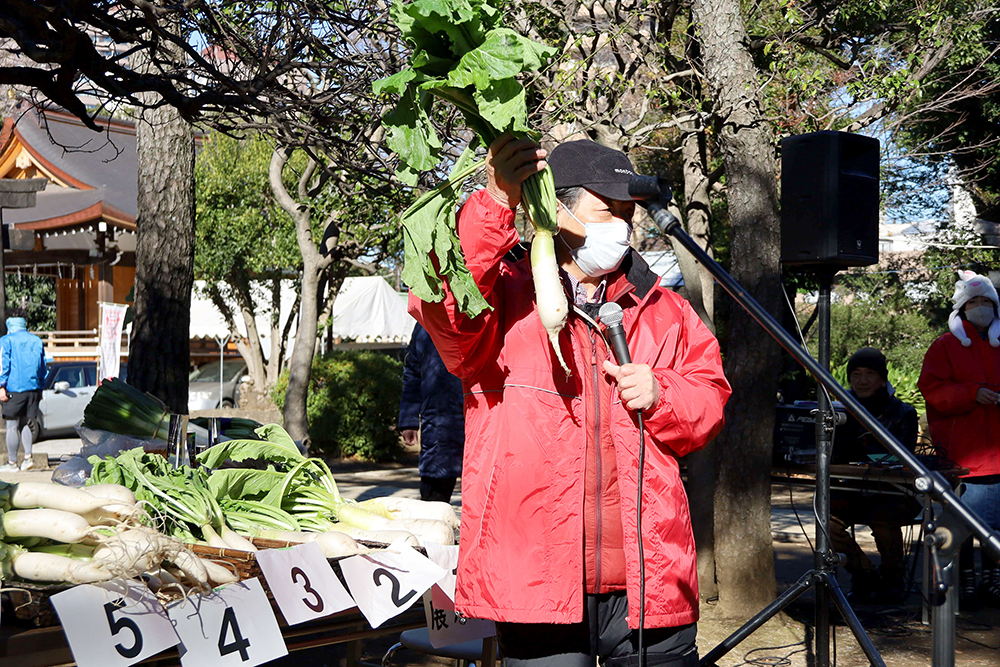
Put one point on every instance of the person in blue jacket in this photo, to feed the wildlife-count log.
(432, 404)
(22, 375)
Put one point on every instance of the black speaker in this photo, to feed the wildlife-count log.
(829, 199)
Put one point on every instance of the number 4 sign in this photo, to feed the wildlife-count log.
(234, 625)
(385, 583)
(113, 624)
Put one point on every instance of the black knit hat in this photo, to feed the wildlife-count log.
(868, 357)
(597, 168)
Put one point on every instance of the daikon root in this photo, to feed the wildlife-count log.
(27, 495)
(57, 525)
(429, 530)
(115, 492)
(383, 536)
(393, 507)
(550, 296)
(114, 514)
(219, 575)
(286, 535)
(235, 540)
(32, 566)
(336, 544)
(131, 552)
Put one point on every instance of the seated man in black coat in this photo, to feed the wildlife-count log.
(873, 505)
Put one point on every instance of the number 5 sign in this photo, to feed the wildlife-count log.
(113, 624)
(232, 626)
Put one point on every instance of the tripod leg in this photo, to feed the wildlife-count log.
(844, 607)
(762, 617)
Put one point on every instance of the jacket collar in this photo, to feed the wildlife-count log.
(634, 275)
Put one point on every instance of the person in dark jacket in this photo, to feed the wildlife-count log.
(432, 405)
(22, 374)
(874, 505)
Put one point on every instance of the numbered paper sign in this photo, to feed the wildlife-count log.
(445, 556)
(386, 583)
(445, 627)
(115, 623)
(303, 583)
(234, 625)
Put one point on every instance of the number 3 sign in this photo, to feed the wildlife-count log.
(303, 583)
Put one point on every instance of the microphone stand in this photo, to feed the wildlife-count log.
(943, 538)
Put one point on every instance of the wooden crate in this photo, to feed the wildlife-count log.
(29, 602)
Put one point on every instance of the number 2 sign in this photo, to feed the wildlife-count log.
(232, 626)
(386, 583)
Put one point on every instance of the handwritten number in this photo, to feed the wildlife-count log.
(317, 606)
(378, 574)
(239, 643)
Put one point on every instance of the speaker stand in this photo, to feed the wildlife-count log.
(823, 577)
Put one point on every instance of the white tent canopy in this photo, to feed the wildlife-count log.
(207, 321)
(369, 310)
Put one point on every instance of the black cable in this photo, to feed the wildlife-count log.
(638, 529)
(773, 660)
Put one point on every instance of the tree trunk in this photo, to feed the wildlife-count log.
(700, 291)
(313, 265)
(160, 356)
(697, 223)
(744, 559)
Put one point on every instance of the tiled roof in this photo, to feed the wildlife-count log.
(100, 168)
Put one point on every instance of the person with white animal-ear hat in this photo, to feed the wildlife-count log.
(960, 382)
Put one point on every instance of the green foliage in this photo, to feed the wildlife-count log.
(963, 132)
(877, 310)
(36, 295)
(353, 404)
(464, 56)
(241, 231)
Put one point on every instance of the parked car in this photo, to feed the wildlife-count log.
(69, 386)
(203, 388)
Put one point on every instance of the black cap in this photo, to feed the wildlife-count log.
(868, 357)
(600, 169)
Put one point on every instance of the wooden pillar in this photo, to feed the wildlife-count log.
(105, 277)
(105, 283)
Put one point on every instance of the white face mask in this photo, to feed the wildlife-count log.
(980, 316)
(604, 246)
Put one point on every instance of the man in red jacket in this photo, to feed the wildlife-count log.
(549, 542)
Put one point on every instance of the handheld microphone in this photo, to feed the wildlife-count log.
(611, 316)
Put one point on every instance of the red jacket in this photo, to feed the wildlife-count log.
(522, 554)
(965, 431)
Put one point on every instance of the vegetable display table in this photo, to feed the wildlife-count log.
(47, 647)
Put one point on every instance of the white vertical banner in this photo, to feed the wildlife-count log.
(110, 340)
